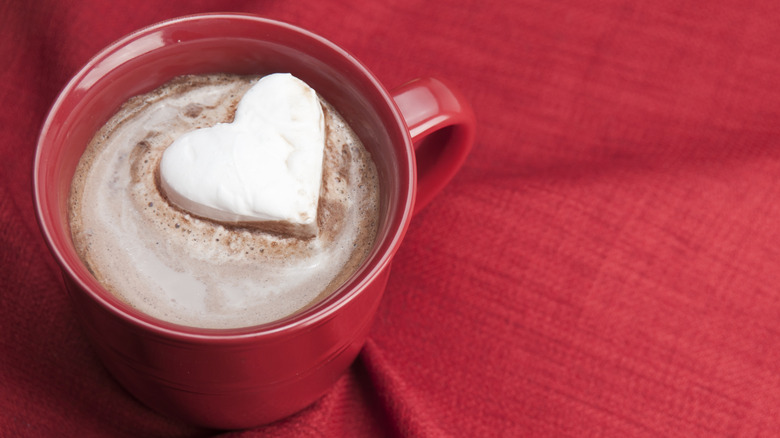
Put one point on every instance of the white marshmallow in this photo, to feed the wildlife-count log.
(265, 166)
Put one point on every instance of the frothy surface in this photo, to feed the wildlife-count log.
(192, 271)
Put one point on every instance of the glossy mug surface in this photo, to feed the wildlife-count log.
(418, 135)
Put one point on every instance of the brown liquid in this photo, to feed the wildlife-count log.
(192, 271)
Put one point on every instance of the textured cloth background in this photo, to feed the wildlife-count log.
(605, 264)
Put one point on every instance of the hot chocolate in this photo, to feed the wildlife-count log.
(193, 271)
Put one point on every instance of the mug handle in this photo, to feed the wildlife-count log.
(442, 126)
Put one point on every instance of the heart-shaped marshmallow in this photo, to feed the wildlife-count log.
(264, 167)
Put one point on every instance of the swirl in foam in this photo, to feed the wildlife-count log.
(197, 272)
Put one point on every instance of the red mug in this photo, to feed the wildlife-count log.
(418, 135)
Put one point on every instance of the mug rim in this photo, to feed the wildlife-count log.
(370, 268)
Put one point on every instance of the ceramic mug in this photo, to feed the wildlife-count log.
(418, 135)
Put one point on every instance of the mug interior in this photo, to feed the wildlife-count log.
(221, 43)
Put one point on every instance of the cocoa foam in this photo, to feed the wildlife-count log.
(191, 271)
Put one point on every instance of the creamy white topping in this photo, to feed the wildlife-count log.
(264, 166)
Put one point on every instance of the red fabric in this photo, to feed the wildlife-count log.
(605, 264)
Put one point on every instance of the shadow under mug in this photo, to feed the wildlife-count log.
(418, 135)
